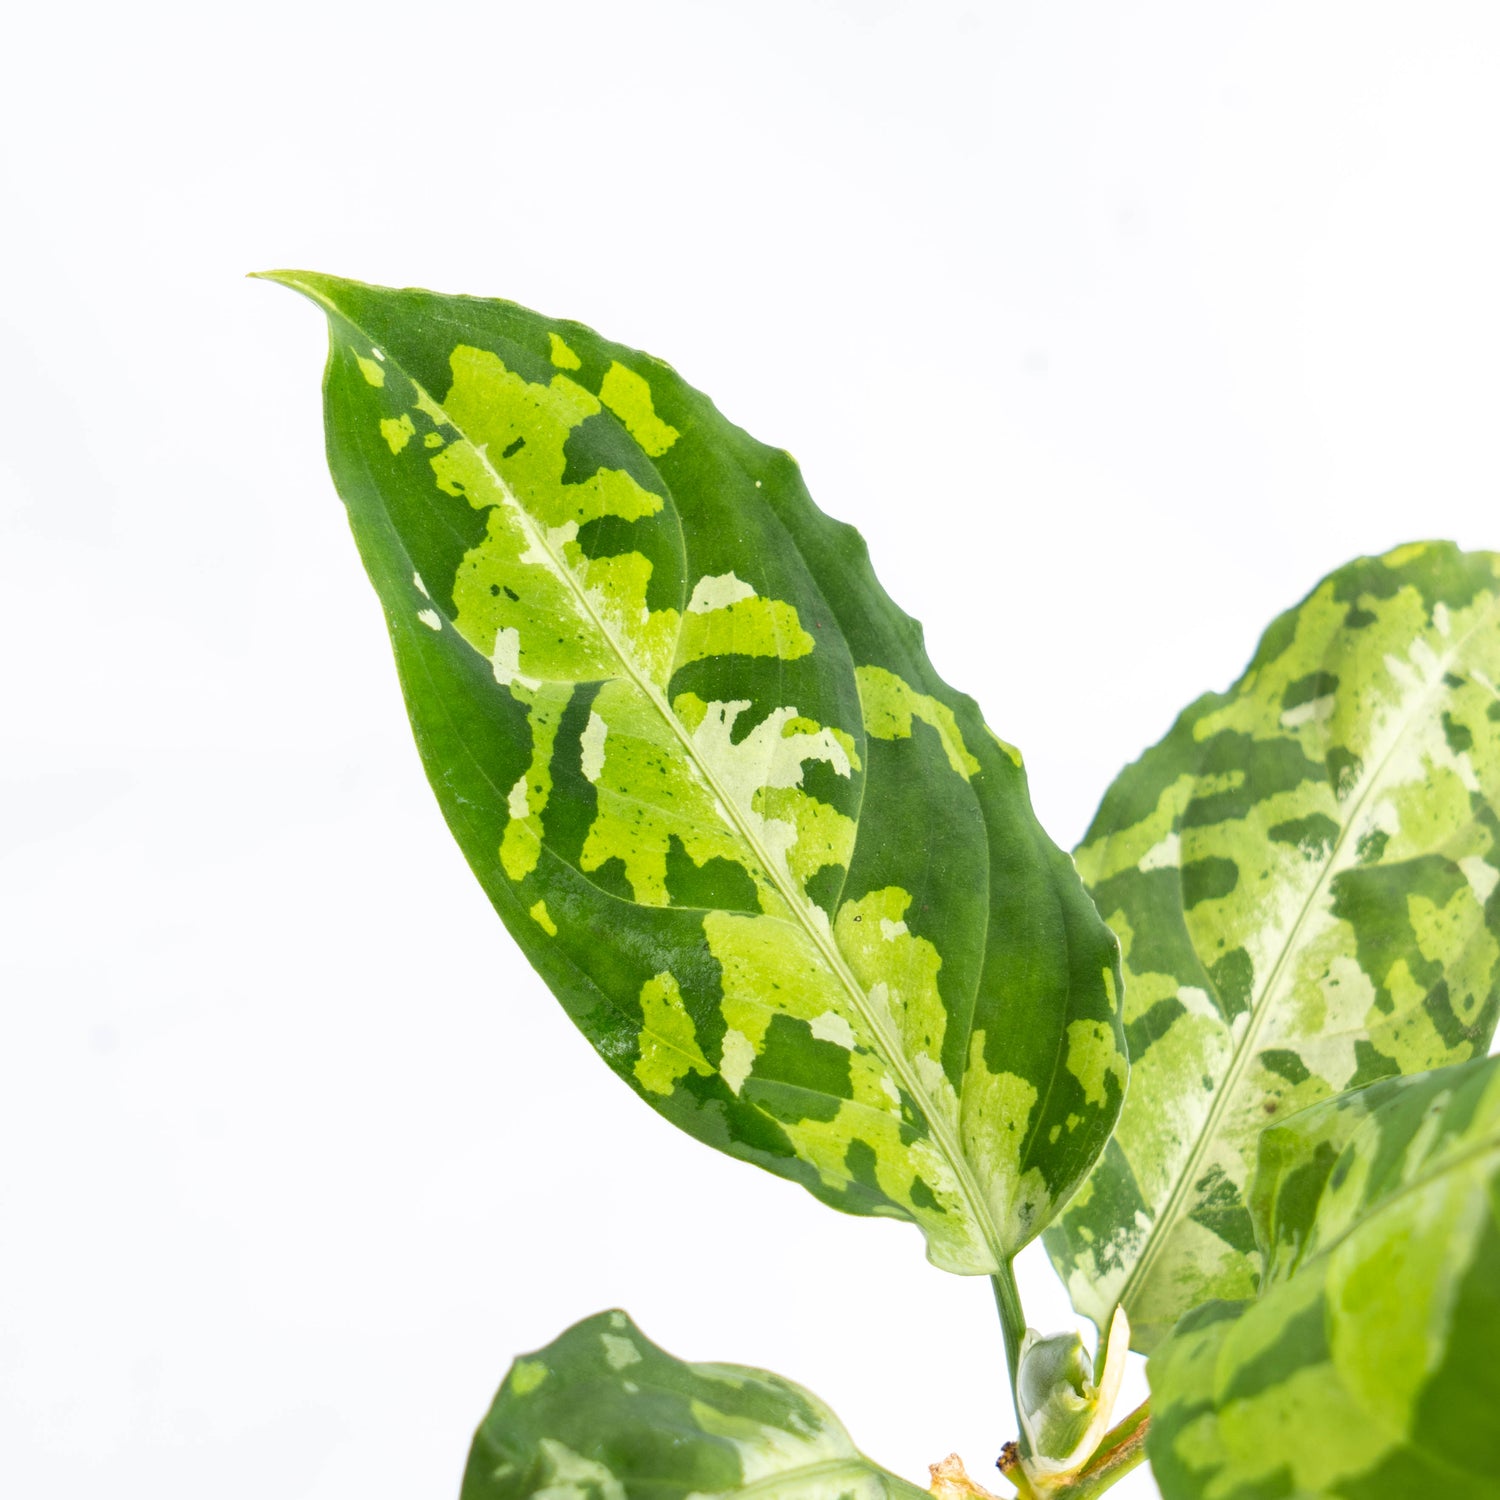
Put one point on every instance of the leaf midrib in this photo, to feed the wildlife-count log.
(819, 933)
(1170, 1215)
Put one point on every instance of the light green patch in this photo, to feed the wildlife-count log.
(521, 843)
(433, 440)
(1006, 748)
(526, 1375)
(628, 396)
(889, 705)
(824, 835)
(668, 1041)
(994, 1117)
(1093, 1057)
(529, 576)
(562, 356)
(747, 627)
(650, 791)
(543, 919)
(397, 431)
(371, 370)
(899, 974)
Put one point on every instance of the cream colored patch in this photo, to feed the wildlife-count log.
(575, 1477)
(1315, 711)
(591, 746)
(736, 1057)
(716, 591)
(1165, 855)
(420, 587)
(767, 757)
(832, 1028)
(505, 660)
(430, 618)
(516, 803)
(1482, 877)
(620, 1353)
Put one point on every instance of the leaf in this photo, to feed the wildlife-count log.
(603, 1414)
(782, 876)
(1064, 1399)
(1303, 875)
(1367, 1366)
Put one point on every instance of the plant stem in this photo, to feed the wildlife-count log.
(1012, 1319)
(1122, 1449)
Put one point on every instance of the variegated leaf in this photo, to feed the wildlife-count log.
(603, 1414)
(1303, 876)
(784, 878)
(1367, 1366)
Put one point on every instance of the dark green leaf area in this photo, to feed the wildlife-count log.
(1219, 1208)
(1113, 1196)
(1285, 1063)
(937, 852)
(1314, 835)
(433, 531)
(800, 1076)
(719, 884)
(604, 1414)
(1208, 880)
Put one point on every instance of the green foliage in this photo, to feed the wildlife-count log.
(792, 889)
(1366, 1365)
(1303, 876)
(700, 763)
(602, 1414)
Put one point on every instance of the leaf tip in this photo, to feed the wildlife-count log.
(311, 284)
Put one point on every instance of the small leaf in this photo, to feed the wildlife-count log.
(783, 877)
(1305, 879)
(1367, 1365)
(1065, 1399)
(603, 1414)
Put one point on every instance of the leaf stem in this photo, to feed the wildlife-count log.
(1122, 1449)
(1012, 1319)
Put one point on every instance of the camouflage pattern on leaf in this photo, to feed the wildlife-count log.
(1367, 1366)
(1303, 875)
(783, 878)
(603, 1414)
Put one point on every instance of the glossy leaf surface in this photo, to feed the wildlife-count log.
(1303, 875)
(785, 879)
(1367, 1366)
(603, 1414)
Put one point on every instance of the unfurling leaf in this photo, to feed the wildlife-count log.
(1303, 875)
(783, 878)
(1367, 1366)
(603, 1414)
(1064, 1399)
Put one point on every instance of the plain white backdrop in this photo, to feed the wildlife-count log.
(1114, 326)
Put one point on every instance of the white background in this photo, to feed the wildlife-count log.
(1114, 326)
